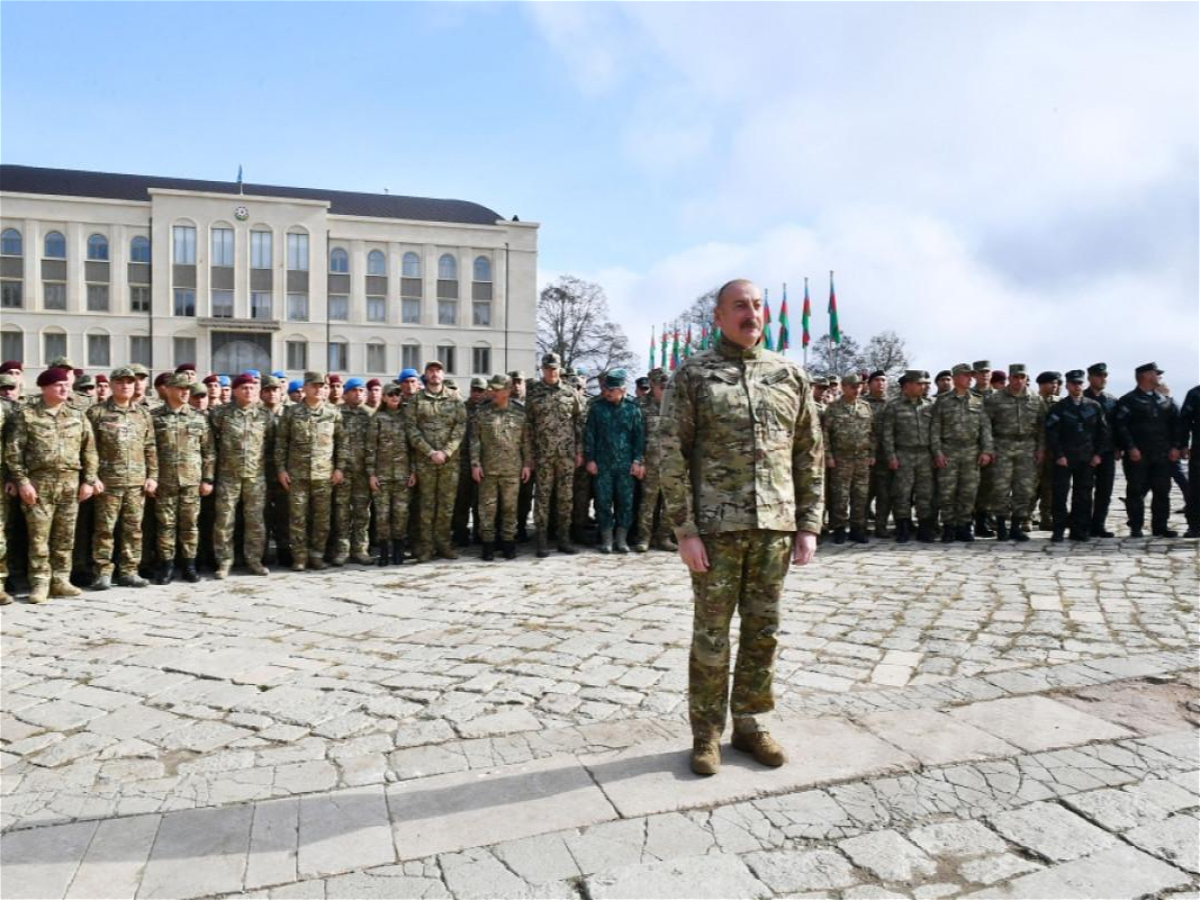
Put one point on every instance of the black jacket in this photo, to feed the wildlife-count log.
(1077, 431)
(1145, 421)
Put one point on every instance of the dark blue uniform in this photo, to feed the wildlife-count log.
(1188, 436)
(1076, 433)
(1146, 422)
(1106, 472)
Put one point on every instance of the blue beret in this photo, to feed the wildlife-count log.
(352, 383)
(279, 373)
(409, 373)
(223, 380)
(253, 373)
(294, 386)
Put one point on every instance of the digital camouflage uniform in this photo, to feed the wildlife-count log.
(7, 410)
(961, 431)
(389, 461)
(128, 456)
(556, 420)
(243, 439)
(352, 498)
(652, 496)
(436, 422)
(881, 475)
(305, 445)
(501, 446)
(849, 432)
(906, 434)
(185, 459)
(1018, 430)
(466, 498)
(743, 469)
(613, 439)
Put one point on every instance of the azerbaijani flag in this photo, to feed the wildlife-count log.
(835, 333)
(687, 343)
(767, 342)
(662, 360)
(805, 316)
(675, 350)
(784, 336)
(651, 363)
(704, 336)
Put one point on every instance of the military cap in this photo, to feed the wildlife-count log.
(516, 375)
(981, 365)
(197, 390)
(253, 373)
(186, 367)
(314, 378)
(53, 375)
(999, 376)
(1076, 376)
(912, 375)
(853, 378)
(820, 381)
(139, 370)
(392, 389)
(500, 382)
(581, 371)
(615, 378)
(1147, 367)
(452, 385)
(294, 385)
(551, 361)
(78, 373)
(434, 364)
(270, 382)
(280, 374)
(223, 380)
(103, 379)
(405, 374)
(1098, 369)
(61, 362)
(479, 383)
(925, 376)
(123, 372)
(7, 381)
(879, 373)
(960, 369)
(161, 378)
(354, 384)
(84, 383)
(212, 379)
(1017, 369)
(243, 379)
(335, 378)
(642, 382)
(945, 373)
(374, 383)
(658, 376)
(11, 365)
(1047, 377)
(174, 380)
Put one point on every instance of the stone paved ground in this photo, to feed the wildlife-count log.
(991, 721)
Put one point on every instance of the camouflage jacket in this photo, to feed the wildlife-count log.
(356, 434)
(185, 447)
(742, 444)
(556, 415)
(960, 424)
(652, 427)
(125, 443)
(612, 435)
(50, 443)
(244, 440)
(306, 440)
(906, 425)
(387, 451)
(501, 443)
(849, 429)
(436, 422)
(1016, 418)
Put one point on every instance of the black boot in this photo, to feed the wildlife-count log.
(981, 526)
(1057, 537)
(1017, 533)
(963, 533)
(1001, 529)
(385, 554)
(190, 574)
(165, 573)
(398, 552)
(839, 535)
(925, 532)
(948, 535)
(509, 548)
(858, 535)
(489, 551)
(903, 530)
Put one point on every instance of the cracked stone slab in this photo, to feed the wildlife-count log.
(935, 738)
(1052, 831)
(1175, 840)
(719, 876)
(888, 855)
(787, 871)
(1038, 723)
(1119, 871)
(344, 830)
(41, 862)
(115, 859)
(198, 852)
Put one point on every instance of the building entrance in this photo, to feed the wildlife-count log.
(236, 352)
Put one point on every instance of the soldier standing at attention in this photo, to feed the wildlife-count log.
(982, 372)
(1188, 441)
(501, 460)
(613, 446)
(334, 390)
(374, 396)
(352, 498)
(1105, 472)
(906, 436)
(961, 443)
(185, 474)
(526, 489)
(743, 469)
(1018, 429)
(128, 456)
(391, 476)
(1076, 434)
(437, 424)
(466, 498)
(881, 475)
(652, 496)
(1049, 386)
(849, 434)
(1144, 426)
(556, 425)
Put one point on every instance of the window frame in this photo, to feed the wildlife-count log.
(8, 287)
(405, 270)
(175, 305)
(486, 368)
(289, 347)
(60, 288)
(135, 244)
(190, 355)
(295, 295)
(294, 254)
(377, 256)
(180, 232)
(91, 359)
(376, 348)
(136, 307)
(97, 247)
(227, 249)
(49, 354)
(339, 254)
(46, 254)
(95, 289)
(343, 349)
(6, 242)
(212, 304)
(259, 238)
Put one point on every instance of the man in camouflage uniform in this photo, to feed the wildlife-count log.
(906, 447)
(243, 437)
(128, 459)
(8, 408)
(185, 474)
(1076, 434)
(652, 496)
(743, 471)
(849, 433)
(352, 499)
(881, 475)
(391, 476)
(1018, 430)
(501, 460)
(1106, 472)
(437, 424)
(526, 489)
(960, 438)
(556, 423)
(982, 373)
(466, 499)
(613, 446)
(306, 442)
(51, 457)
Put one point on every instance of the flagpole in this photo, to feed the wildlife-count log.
(833, 355)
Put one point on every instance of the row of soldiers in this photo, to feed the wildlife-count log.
(984, 450)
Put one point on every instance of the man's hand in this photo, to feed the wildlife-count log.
(150, 487)
(437, 457)
(1039, 456)
(830, 462)
(285, 480)
(86, 491)
(804, 547)
(10, 488)
(374, 484)
(893, 464)
(592, 468)
(477, 474)
(412, 480)
(939, 461)
(1173, 454)
(985, 459)
(526, 474)
(28, 494)
(638, 471)
(692, 552)
(1095, 461)
(578, 460)
(1135, 455)
(1061, 461)
(205, 489)
(98, 487)
(337, 477)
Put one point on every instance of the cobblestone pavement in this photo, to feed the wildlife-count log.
(992, 721)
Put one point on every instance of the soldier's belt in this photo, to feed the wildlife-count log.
(1014, 437)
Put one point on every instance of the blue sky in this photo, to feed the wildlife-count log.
(1016, 181)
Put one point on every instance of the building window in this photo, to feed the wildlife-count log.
(222, 304)
(297, 307)
(139, 250)
(97, 350)
(11, 296)
(139, 350)
(56, 246)
(410, 356)
(97, 298)
(12, 345)
(339, 356)
(481, 313)
(447, 312)
(185, 350)
(222, 246)
(185, 245)
(54, 295)
(410, 311)
(376, 357)
(185, 303)
(445, 355)
(339, 308)
(260, 249)
(54, 345)
(297, 252)
(410, 266)
(447, 268)
(376, 264)
(339, 261)
(376, 309)
(260, 304)
(97, 248)
(297, 355)
(139, 298)
(481, 360)
(10, 244)
(483, 269)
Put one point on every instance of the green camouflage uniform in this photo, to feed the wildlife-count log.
(556, 419)
(652, 495)
(7, 410)
(466, 497)
(1045, 485)
(881, 475)
(849, 431)
(388, 460)
(352, 498)
(185, 459)
(128, 456)
(613, 439)
(501, 446)
(1018, 429)
(906, 435)
(743, 469)
(305, 445)
(436, 422)
(276, 511)
(987, 475)
(243, 439)
(961, 431)
(55, 452)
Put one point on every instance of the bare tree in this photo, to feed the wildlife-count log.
(886, 351)
(574, 322)
(825, 358)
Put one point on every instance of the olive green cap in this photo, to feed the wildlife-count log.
(7, 381)
(479, 383)
(1017, 369)
(122, 372)
(139, 370)
(982, 365)
(61, 362)
(197, 390)
(315, 378)
(500, 382)
(177, 380)
(962, 369)
(852, 379)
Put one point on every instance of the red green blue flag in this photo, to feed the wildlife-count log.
(784, 336)
(767, 342)
(805, 316)
(835, 333)
(651, 365)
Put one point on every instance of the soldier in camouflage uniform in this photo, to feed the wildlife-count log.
(905, 442)
(8, 409)
(51, 456)
(501, 453)
(244, 440)
(1018, 429)
(848, 427)
(185, 474)
(556, 422)
(652, 496)
(581, 487)
(437, 424)
(960, 438)
(391, 475)
(881, 475)
(613, 446)
(526, 489)
(466, 499)
(306, 441)
(743, 473)
(984, 515)
(352, 499)
(128, 459)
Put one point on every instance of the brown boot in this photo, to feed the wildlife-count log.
(61, 587)
(706, 756)
(39, 590)
(761, 746)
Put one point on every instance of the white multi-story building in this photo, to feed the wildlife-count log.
(109, 269)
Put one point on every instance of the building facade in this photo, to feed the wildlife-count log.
(109, 269)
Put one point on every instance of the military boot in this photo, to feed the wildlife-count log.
(165, 573)
(839, 535)
(489, 551)
(963, 533)
(543, 549)
(363, 558)
(385, 554)
(133, 579)
(925, 532)
(981, 526)
(102, 583)
(448, 552)
(62, 587)
(5, 596)
(1057, 536)
(666, 544)
(398, 552)
(190, 574)
(619, 544)
(565, 546)
(509, 549)
(858, 535)
(1001, 528)
(761, 746)
(903, 530)
(606, 540)
(949, 535)
(39, 590)
(339, 559)
(257, 568)
(641, 546)
(222, 571)
(706, 755)
(1018, 534)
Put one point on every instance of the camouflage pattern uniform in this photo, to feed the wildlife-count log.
(556, 421)
(960, 431)
(881, 475)
(613, 439)
(5, 419)
(906, 434)
(1018, 429)
(652, 496)
(436, 422)
(849, 433)
(466, 498)
(352, 498)
(276, 511)
(305, 445)
(743, 469)
(243, 438)
(501, 445)
(581, 486)
(128, 456)
(388, 460)
(185, 460)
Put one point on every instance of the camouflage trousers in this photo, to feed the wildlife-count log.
(309, 510)
(51, 524)
(177, 515)
(614, 486)
(498, 495)
(652, 500)
(986, 489)
(958, 485)
(746, 573)
(436, 488)
(391, 511)
(128, 504)
(352, 515)
(849, 488)
(252, 494)
(555, 491)
(276, 513)
(3, 538)
(1014, 480)
(881, 492)
(466, 504)
(912, 485)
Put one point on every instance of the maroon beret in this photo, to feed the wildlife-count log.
(78, 373)
(243, 379)
(101, 379)
(335, 379)
(212, 379)
(161, 378)
(185, 367)
(53, 376)
(11, 365)
(374, 382)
